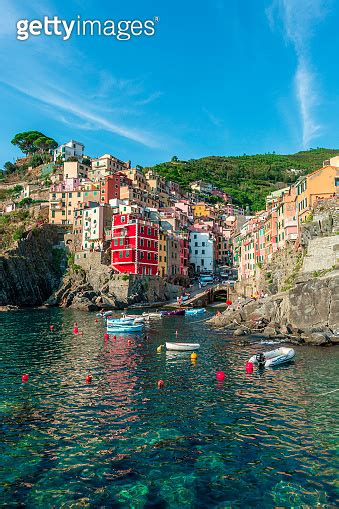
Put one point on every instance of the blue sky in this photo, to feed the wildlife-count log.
(219, 77)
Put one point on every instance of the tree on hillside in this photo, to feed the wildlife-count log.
(44, 144)
(33, 141)
(174, 159)
(9, 167)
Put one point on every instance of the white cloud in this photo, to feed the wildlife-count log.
(83, 112)
(300, 18)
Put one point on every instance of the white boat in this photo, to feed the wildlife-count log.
(135, 318)
(152, 316)
(105, 314)
(120, 321)
(275, 357)
(182, 346)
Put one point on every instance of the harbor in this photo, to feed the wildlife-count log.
(92, 427)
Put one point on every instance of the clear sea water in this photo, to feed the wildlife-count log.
(262, 440)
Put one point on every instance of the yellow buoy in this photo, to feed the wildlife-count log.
(194, 356)
(159, 348)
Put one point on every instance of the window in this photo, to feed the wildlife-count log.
(148, 256)
(123, 219)
(69, 195)
(127, 254)
(336, 181)
(142, 229)
(116, 241)
(196, 252)
(195, 244)
(121, 254)
(149, 231)
(194, 236)
(203, 251)
(141, 242)
(202, 262)
(148, 243)
(203, 243)
(141, 255)
(121, 242)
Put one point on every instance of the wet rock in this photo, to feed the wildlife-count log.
(316, 338)
(269, 331)
(239, 332)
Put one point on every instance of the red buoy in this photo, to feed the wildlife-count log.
(106, 336)
(81, 333)
(220, 376)
(51, 328)
(249, 367)
(228, 303)
(88, 379)
(24, 377)
(96, 320)
(114, 337)
(161, 383)
(75, 330)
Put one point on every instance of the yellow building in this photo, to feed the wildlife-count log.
(201, 210)
(320, 184)
(162, 255)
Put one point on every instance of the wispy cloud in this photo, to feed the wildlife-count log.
(299, 19)
(64, 103)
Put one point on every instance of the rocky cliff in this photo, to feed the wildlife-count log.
(32, 270)
(89, 284)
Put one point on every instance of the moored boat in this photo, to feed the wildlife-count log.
(120, 321)
(175, 312)
(115, 328)
(197, 311)
(152, 316)
(273, 357)
(182, 346)
(135, 318)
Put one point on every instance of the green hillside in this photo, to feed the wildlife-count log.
(247, 178)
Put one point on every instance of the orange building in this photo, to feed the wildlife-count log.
(320, 184)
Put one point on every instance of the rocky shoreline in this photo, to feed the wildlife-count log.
(307, 314)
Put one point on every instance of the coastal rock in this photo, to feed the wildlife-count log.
(83, 304)
(269, 331)
(316, 339)
(239, 332)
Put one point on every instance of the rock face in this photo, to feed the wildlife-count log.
(99, 288)
(309, 312)
(31, 271)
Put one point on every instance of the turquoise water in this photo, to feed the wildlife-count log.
(262, 440)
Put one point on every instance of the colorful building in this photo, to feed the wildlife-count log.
(134, 245)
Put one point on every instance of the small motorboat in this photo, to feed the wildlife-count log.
(135, 318)
(105, 314)
(120, 321)
(273, 357)
(175, 312)
(182, 346)
(152, 316)
(115, 328)
(197, 311)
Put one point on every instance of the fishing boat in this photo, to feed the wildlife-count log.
(273, 357)
(175, 312)
(181, 347)
(197, 311)
(115, 328)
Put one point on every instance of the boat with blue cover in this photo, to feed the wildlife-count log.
(196, 311)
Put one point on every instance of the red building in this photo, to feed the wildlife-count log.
(184, 254)
(134, 245)
(110, 186)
